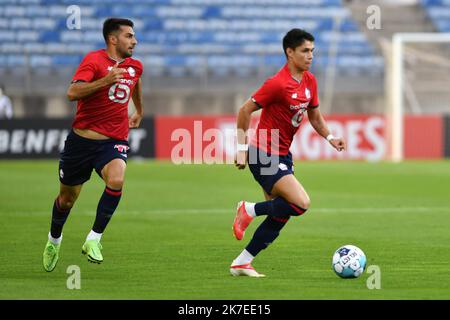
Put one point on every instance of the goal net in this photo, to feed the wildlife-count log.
(417, 83)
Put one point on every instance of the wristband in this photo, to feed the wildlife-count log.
(242, 147)
(330, 137)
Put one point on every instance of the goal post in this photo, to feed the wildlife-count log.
(396, 105)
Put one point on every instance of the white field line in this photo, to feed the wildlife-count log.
(233, 210)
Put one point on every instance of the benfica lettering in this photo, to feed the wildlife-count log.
(48, 142)
(25, 141)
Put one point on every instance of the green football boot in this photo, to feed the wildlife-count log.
(93, 250)
(51, 256)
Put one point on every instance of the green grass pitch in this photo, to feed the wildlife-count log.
(171, 236)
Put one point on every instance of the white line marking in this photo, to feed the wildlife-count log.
(232, 210)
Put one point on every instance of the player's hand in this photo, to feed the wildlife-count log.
(114, 75)
(135, 120)
(241, 159)
(338, 144)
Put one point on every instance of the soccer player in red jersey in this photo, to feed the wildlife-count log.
(284, 98)
(103, 84)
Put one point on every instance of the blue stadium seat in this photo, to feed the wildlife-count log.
(439, 13)
(66, 60)
(443, 25)
(16, 60)
(232, 36)
(40, 61)
(49, 36)
(14, 11)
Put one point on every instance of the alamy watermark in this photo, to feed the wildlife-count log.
(373, 21)
(74, 279)
(373, 281)
(215, 146)
(73, 21)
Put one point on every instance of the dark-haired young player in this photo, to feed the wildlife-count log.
(103, 84)
(284, 98)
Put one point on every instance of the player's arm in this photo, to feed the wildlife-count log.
(243, 122)
(136, 118)
(318, 123)
(80, 90)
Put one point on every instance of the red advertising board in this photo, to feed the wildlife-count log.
(424, 137)
(211, 139)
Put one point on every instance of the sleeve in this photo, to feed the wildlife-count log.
(314, 103)
(86, 70)
(141, 66)
(267, 94)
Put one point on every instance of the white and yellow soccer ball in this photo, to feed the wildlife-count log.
(349, 261)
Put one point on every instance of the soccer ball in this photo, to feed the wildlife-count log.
(349, 261)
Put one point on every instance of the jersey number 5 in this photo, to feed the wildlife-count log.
(119, 93)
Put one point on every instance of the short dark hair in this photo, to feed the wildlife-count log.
(295, 38)
(113, 24)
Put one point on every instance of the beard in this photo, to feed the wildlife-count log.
(125, 53)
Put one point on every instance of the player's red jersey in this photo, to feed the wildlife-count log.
(106, 111)
(284, 101)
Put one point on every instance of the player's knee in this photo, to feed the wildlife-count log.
(66, 201)
(115, 183)
(305, 203)
(302, 205)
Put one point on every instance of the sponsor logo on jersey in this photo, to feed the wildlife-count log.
(127, 81)
(299, 106)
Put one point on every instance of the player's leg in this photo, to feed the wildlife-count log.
(61, 209)
(289, 198)
(114, 176)
(278, 208)
(241, 266)
(113, 173)
(75, 167)
(267, 196)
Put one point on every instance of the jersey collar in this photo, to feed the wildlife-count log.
(112, 59)
(286, 69)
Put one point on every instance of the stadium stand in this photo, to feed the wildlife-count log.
(180, 37)
(211, 53)
(439, 13)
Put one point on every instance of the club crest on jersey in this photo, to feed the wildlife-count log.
(307, 93)
(294, 95)
(131, 71)
(121, 147)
